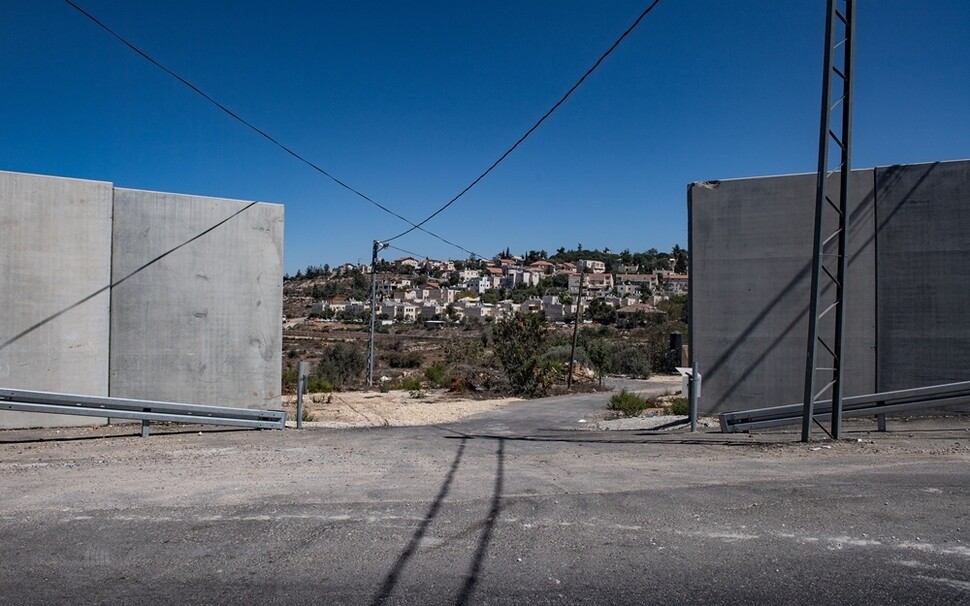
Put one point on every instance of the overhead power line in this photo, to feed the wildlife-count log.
(562, 100)
(258, 130)
(408, 252)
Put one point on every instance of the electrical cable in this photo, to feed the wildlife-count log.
(408, 252)
(534, 126)
(416, 255)
(257, 130)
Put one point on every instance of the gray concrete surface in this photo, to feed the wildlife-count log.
(137, 294)
(55, 267)
(489, 511)
(751, 252)
(924, 264)
(202, 324)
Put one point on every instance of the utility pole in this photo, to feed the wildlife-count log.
(825, 366)
(300, 388)
(572, 352)
(373, 310)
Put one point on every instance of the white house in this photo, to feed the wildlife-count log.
(407, 262)
(480, 284)
(469, 274)
(675, 284)
(592, 283)
(393, 309)
(589, 265)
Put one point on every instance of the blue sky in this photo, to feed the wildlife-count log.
(408, 102)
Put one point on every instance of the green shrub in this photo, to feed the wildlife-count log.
(437, 374)
(519, 342)
(630, 404)
(317, 384)
(411, 384)
(560, 354)
(630, 360)
(288, 380)
(340, 363)
(314, 383)
(464, 351)
(679, 406)
(402, 359)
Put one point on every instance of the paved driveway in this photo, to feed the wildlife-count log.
(561, 413)
(516, 507)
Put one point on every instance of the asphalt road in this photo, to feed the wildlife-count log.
(519, 506)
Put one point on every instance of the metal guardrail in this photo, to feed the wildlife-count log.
(139, 410)
(875, 404)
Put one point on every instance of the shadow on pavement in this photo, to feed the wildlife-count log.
(109, 433)
(392, 578)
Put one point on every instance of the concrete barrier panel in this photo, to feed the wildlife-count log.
(197, 302)
(750, 252)
(924, 264)
(55, 267)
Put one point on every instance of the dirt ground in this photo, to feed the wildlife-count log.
(397, 408)
(402, 408)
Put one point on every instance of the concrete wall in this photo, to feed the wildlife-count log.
(924, 274)
(907, 295)
(751, 252)
(212, 301)
(55, 268)
(137, 294)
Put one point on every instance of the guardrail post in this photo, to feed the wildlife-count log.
(144, 428)
(300, 386)
(692, 402)
(881, 420)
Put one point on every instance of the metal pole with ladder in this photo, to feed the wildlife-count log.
(378, 246)
(825, 361)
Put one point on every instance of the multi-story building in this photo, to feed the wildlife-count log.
(469, 274)
(395, 309)
(594, 284)
(588, 265)
(676, 284)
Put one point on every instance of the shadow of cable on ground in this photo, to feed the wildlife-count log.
(485, 538)
(392, 578)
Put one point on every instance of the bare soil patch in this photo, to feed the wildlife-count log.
(396, 408)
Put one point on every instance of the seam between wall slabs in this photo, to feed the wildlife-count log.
(111, 288)
(875, 277)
